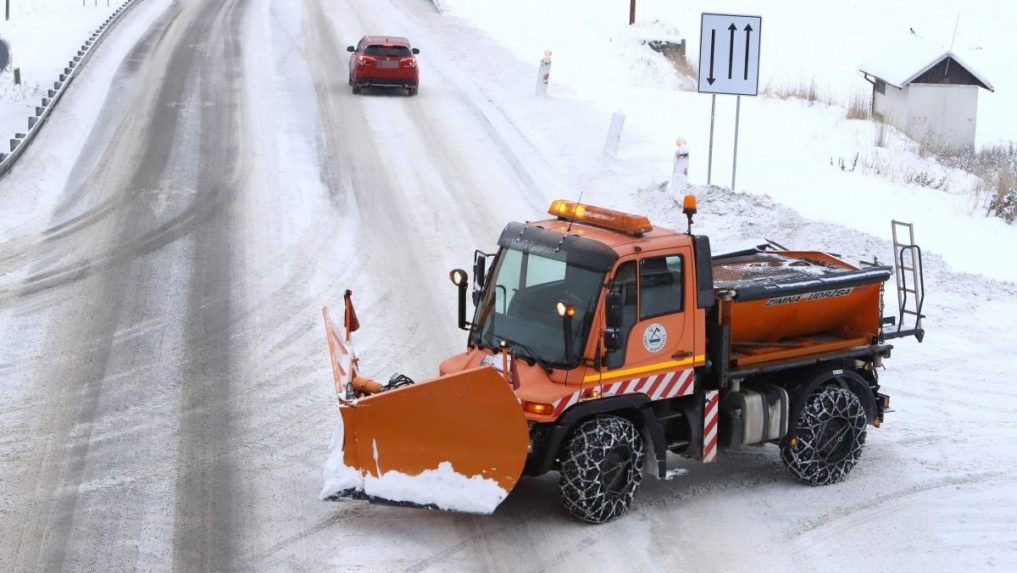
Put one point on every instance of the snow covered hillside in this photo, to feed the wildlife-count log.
(789, 149)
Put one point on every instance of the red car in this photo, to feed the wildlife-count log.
(385, 62)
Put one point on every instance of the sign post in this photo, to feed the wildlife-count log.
(728, 64)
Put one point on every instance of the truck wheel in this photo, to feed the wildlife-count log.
(601, 469)
(829, 437)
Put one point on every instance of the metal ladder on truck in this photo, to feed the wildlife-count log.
(907, 268)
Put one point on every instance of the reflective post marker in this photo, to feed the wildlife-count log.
(544, 73)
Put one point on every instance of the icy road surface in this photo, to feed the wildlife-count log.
(165, 398)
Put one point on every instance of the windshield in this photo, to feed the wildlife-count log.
(518, 307)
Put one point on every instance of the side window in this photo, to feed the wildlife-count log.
(660, 286)
(624, 283)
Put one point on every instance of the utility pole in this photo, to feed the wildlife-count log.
(7, 13)
(632, 11)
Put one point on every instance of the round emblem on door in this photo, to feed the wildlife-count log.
(654, 337)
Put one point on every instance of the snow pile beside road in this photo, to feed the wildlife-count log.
(442, 487)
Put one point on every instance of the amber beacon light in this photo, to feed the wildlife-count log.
(600, 217)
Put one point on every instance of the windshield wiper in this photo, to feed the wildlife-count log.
(531, 354)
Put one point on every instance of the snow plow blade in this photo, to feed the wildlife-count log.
(457, 442)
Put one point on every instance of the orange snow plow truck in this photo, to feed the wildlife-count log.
(599, 343)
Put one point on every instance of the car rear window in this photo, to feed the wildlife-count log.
(396, 51)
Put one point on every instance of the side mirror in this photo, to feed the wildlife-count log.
(350, 49)
(479, 276)
(613, 317)
(415, 51)
(460, 279)
(479, 269)
(613, 310)
(612, 339)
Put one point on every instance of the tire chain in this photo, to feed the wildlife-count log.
(584, 492)
(803, 459)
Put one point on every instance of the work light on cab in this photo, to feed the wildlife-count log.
(458, 277)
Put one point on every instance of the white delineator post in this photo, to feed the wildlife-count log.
(680, 168)
(614, 134)
(544, 73)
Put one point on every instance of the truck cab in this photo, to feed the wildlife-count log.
(630, 297)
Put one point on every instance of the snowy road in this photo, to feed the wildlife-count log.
(165, 398)
(178, 389)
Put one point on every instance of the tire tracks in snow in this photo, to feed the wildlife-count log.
(204, 522)
(847, 513)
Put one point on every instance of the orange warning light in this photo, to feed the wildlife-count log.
(689, 204)
(600, 217)
(539, 409)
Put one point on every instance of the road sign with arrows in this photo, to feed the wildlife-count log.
(729, 54)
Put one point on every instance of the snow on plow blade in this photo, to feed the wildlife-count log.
(456, 442)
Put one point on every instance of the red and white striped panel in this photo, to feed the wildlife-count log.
(710, 415)
(657, 387)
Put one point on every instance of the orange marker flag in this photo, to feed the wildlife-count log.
(350, 320)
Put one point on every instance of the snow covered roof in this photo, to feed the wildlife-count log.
(902, 62)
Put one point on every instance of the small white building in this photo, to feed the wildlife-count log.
(927, 92)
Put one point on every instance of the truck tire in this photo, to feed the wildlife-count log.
(601, 469)
(829, 438)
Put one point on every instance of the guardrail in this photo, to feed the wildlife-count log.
(19, 143)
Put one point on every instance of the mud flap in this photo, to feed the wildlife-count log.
(457, 442)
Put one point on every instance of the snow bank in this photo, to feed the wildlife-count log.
(442, 487)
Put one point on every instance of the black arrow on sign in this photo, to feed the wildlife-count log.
(730, 52)
(713, 44)
(748, 32)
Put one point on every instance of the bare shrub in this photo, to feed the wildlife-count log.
(684, 67)
(996, 167)
(801, 90)
(859, 106)
(880, 133)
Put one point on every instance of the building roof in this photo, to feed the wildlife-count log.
(904, 61)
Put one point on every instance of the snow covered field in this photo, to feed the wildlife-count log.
(165, 395)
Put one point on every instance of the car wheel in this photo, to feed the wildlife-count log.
(601, 469)
(828, 441)
(356, 89)
(411, 91)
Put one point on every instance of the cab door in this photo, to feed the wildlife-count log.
(657, 310)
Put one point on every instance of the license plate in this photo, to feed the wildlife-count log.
(388, 64)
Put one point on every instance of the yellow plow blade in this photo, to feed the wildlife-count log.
(456, 442)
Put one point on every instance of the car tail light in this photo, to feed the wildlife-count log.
(408, 62)
(364, 60)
